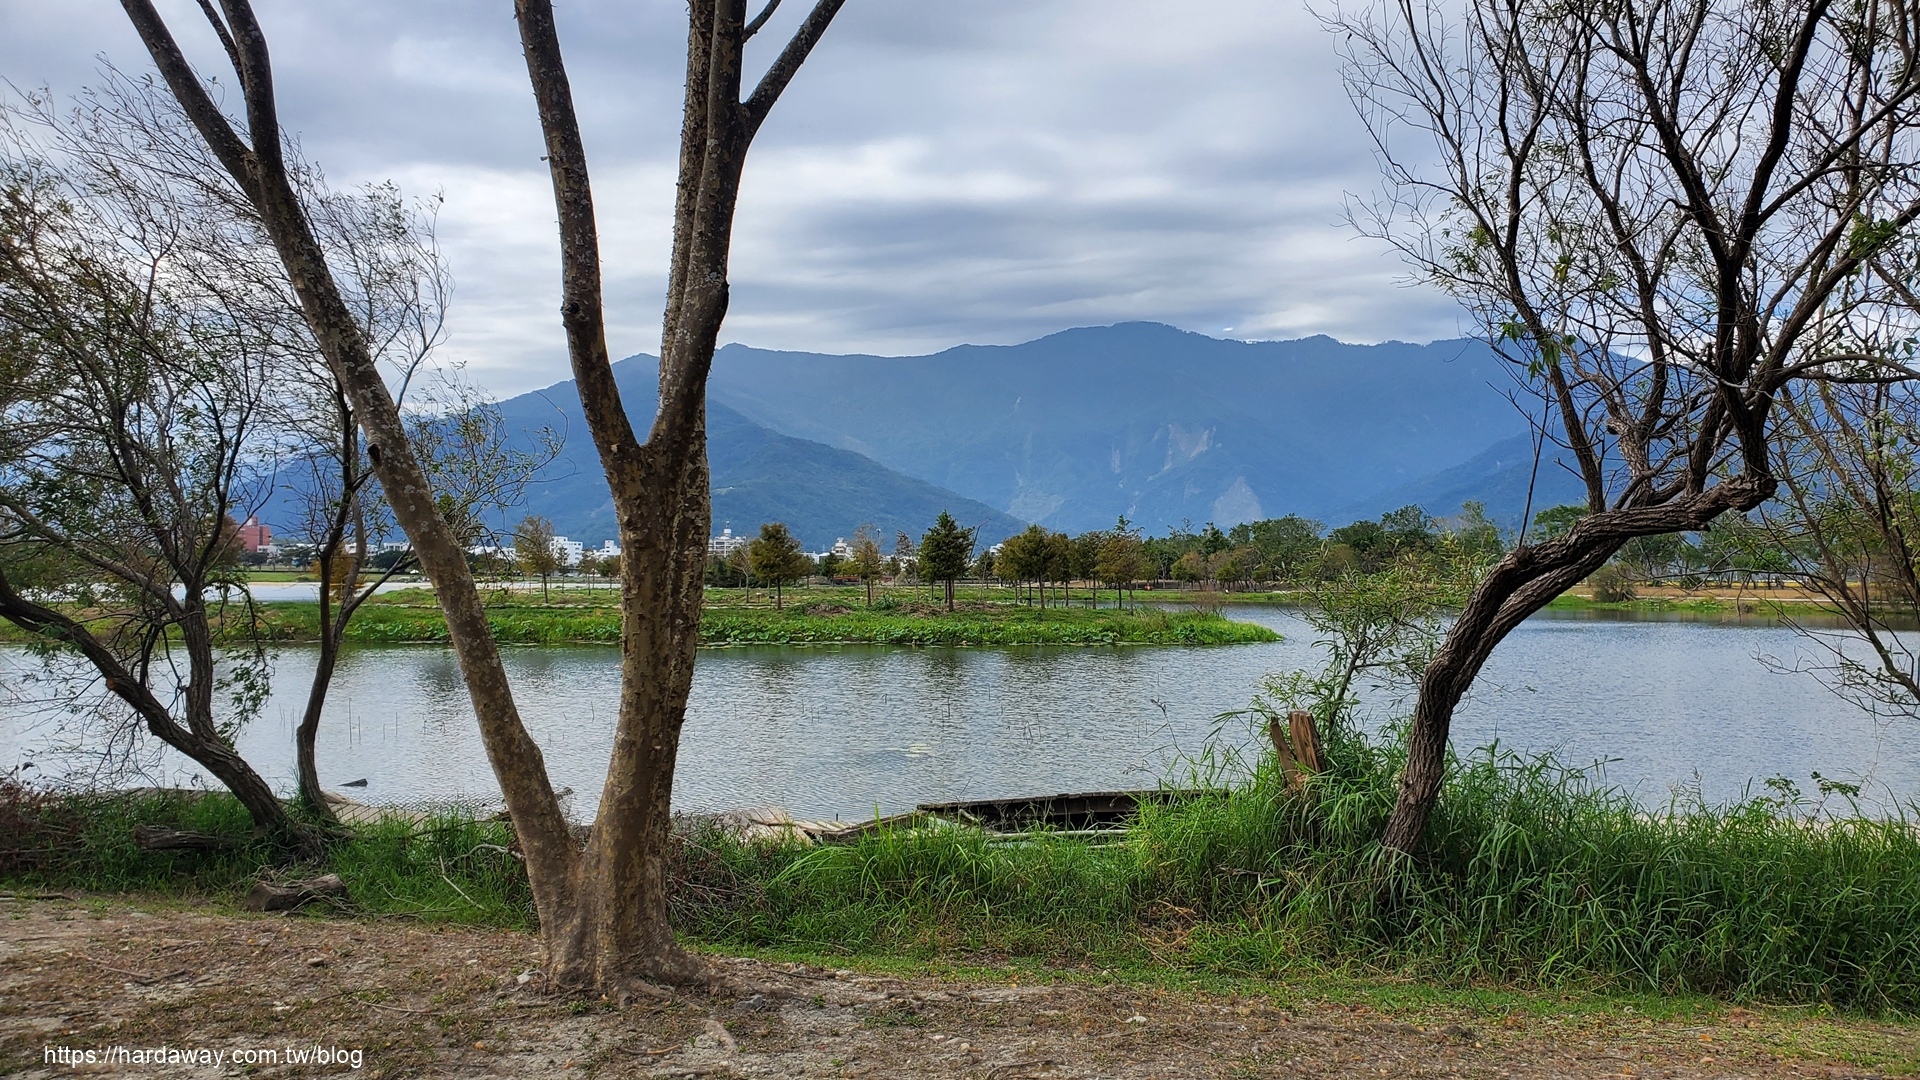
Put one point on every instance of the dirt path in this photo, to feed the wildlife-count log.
(422, 1002)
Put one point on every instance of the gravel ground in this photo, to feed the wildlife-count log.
(125, 980)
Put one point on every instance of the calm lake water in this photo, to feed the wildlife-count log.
(851, 730)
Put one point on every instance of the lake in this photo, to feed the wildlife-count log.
(1664, 704)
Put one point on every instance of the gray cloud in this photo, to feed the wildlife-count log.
(983, 172)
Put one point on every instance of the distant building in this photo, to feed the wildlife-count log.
(842, 548)
(609, 549)
(568, 551)
(725, 544)
(255, 536)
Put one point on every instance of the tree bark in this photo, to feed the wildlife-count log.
(306, 735)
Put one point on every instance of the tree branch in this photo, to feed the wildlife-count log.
(760, 20)
(775, 81)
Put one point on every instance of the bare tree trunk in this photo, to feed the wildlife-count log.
(306, 736)
(618, 930)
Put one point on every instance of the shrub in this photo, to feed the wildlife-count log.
(1612, 584)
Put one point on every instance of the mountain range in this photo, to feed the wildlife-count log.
(821, 492)
(1074, 430)
(1164, 426)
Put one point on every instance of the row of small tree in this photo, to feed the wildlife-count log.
(775, 559)
(1037, 558)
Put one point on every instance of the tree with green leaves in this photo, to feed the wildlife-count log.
(1287, 545)
(1023, 558)
(946, 550)
(1473, 533)
(1060, 563)
(1190, 568)
(1556, 521)
(1085, 560)
(777, 558)
(1122, 560)
(866, 563)
(534, 550)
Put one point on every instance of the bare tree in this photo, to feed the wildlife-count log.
(660, 485)
(257, 163)
(477, 468)
(1847, 522)
(1663, 212)
(603, 911)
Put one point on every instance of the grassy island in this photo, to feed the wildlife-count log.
(585, 617)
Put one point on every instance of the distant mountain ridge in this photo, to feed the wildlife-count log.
(821, 492)
(1073, 430)
(1158, 424)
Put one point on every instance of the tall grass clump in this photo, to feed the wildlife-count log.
(922, 892)
(450, 868)
(1531, 875)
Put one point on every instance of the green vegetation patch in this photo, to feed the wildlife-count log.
(973, 624)
(1531, 877)
(412, 616)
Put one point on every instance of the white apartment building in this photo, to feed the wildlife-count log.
(725, 544)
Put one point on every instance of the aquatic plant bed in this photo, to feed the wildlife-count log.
(520, 619)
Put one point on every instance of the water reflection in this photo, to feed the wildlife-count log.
(852, 730)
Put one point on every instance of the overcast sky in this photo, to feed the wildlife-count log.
(939, 173)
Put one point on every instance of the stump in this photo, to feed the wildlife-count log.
(1298, 747)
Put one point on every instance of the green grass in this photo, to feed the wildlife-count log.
(1703, 605)
(521, 619)
(451, 868)
(824, 622)
(1532, 879)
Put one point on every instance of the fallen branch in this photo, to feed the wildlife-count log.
(267, 896)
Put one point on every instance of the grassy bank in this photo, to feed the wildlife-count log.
(522, 618)
(1531, 879)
